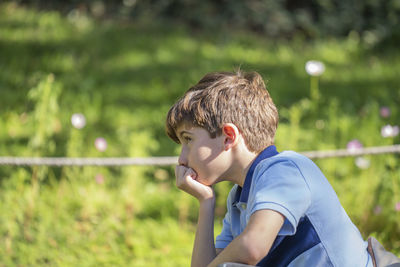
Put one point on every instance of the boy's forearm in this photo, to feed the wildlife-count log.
(255, 241)
(204, 248)
(237, 252)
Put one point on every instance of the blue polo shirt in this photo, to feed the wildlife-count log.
(316, 231)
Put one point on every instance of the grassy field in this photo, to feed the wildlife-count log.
(123, 78)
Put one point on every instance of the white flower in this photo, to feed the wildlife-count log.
(78, 120)
(315, 68)
(390, 131)
(101, 144)
(362, 163)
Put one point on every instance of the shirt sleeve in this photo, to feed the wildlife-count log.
(225, 237)
(283, 188)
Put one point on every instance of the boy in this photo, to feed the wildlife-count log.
(281, 211)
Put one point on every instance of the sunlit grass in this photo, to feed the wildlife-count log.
(123, 78)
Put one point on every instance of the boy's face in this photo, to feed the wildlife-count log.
(205, 155)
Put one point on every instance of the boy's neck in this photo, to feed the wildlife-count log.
(241, 165)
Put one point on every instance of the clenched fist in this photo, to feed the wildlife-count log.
(186, 181)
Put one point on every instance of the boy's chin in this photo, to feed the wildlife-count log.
(207, 183)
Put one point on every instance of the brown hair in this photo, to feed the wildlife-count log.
(227, 97)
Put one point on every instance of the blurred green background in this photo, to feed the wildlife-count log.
(122, 64)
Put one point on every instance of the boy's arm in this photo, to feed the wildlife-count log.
(255, 241)
(204, 249)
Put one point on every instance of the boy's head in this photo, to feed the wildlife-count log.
(226, 97)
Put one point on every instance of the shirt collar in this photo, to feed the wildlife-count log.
(243, 193)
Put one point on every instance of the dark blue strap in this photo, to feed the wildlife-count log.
(266, 153)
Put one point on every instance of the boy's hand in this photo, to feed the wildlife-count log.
(186, 181)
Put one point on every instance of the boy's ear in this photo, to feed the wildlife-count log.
(231, 134)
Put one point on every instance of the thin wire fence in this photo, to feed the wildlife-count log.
(165, 161)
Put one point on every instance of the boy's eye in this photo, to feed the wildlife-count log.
(187, 139)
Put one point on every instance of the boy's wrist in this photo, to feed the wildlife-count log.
(208, 201)
(209, 198)
(207, 208)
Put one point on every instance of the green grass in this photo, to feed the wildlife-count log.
(124, 77)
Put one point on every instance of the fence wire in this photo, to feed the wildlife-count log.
(165, 161)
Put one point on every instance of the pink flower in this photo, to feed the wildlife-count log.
(101, 144)
(354, 145)
(99, 178)
(384, 112)
(378, 209)
(397, 206)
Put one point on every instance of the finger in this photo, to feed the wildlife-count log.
(183, 171)
(181, 176)
(191, 173)
(186, 178)
(180, 171)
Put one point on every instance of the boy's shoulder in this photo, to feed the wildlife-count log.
(284, 164)
(286, 158)
(290, 154)
(287, 167)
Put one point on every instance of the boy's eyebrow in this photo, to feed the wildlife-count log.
(183, 132)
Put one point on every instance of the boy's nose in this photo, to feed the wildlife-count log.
(182, 160)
